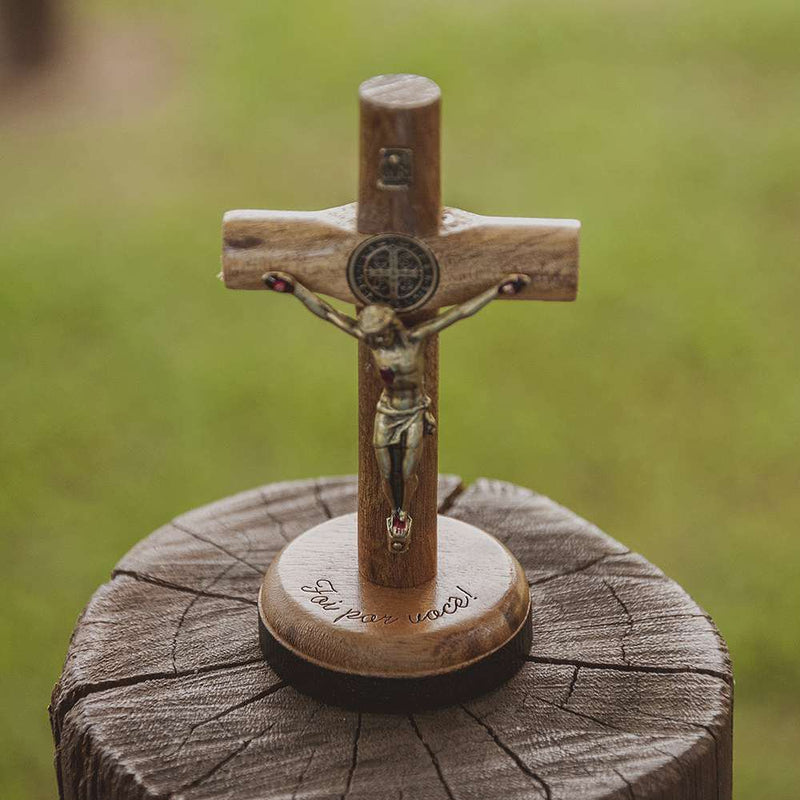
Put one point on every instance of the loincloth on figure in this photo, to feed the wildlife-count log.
(392, 423)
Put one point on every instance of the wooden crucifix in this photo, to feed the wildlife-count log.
(399, 257)
(449, 255)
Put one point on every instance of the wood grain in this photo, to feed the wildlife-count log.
(399, 111)
(473, 252)
(314, 603)
(626, 693)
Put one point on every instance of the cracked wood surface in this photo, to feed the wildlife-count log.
(626, 693)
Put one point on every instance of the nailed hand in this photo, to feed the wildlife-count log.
(514, 284)
(279, 282)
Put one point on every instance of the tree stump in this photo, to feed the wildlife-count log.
(164, 694)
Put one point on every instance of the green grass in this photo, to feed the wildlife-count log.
(664, 405)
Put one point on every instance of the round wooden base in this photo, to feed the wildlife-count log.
(335, 635)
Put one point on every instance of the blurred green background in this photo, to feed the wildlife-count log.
(664, 405)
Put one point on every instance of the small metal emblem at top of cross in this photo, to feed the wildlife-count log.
(399, 256)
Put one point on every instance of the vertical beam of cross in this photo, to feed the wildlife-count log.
(400, 118)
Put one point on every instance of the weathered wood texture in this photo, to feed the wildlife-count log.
(474, 252)
(627, 692)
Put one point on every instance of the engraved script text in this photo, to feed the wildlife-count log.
(450, 606)
(325, 595)
(321, 593)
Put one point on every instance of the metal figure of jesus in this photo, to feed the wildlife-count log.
(402, 416)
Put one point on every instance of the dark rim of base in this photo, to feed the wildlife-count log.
(397, 695)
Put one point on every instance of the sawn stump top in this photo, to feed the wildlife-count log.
(164, 694)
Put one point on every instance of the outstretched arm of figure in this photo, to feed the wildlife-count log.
(511, 285)
(286, 284)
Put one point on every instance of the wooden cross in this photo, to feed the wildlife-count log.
(399, 193)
